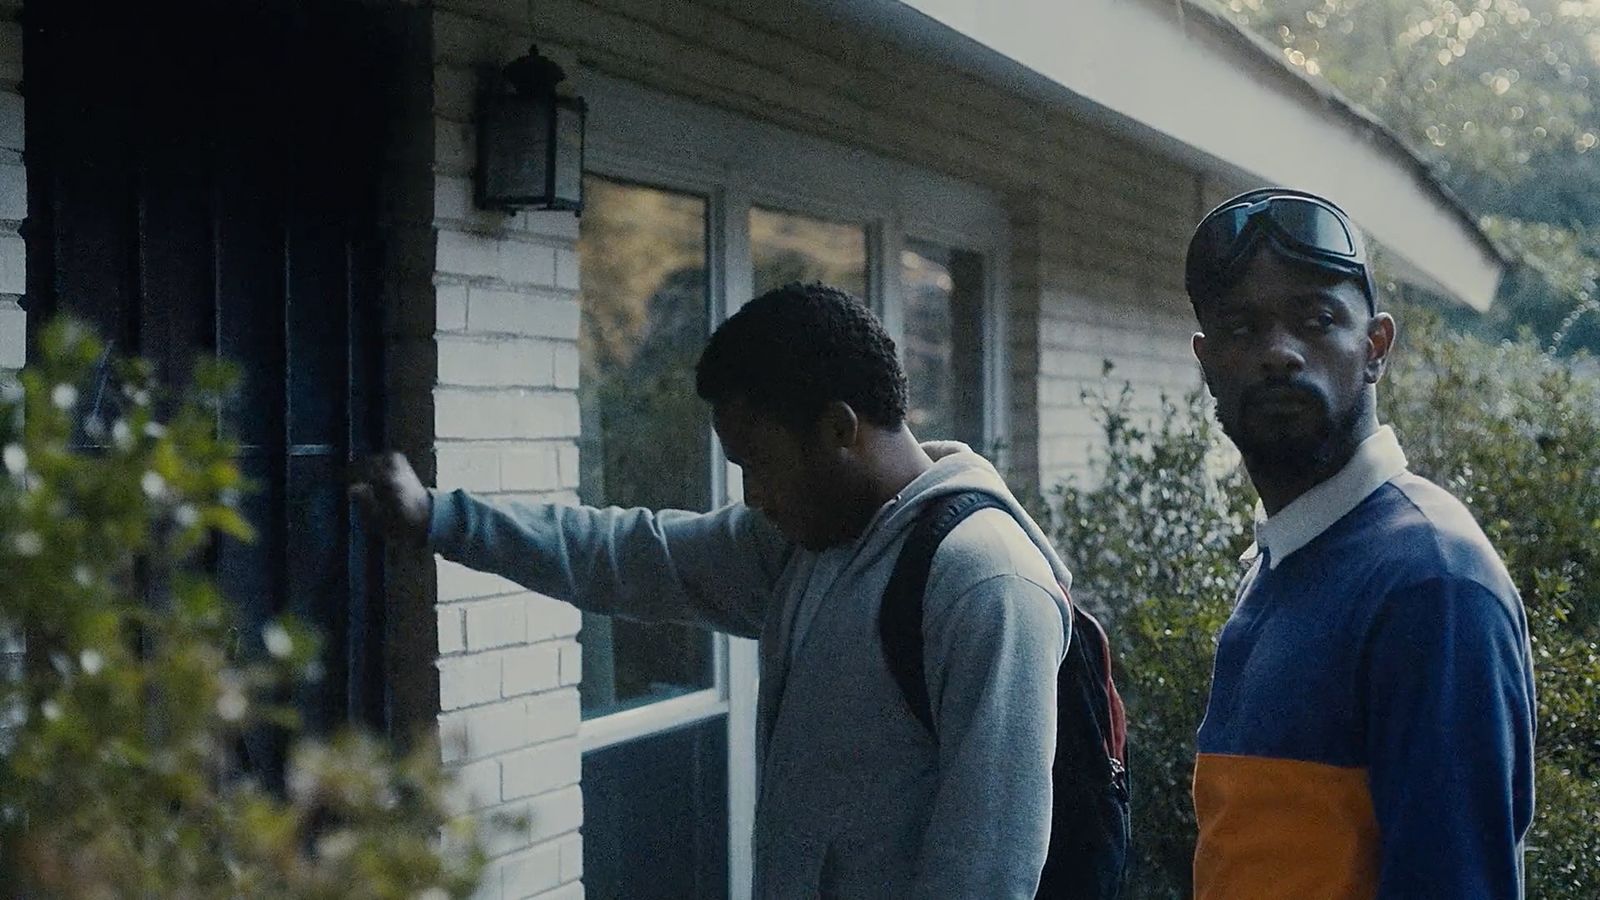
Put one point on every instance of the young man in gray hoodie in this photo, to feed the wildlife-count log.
(855, 797)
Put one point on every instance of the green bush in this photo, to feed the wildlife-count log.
(117, 776)
(1154, 541)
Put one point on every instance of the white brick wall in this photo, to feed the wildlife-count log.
(505, 415)
(13, 209)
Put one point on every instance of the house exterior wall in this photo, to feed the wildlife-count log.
(1098, 228)
(1099, 223)
(13, 209)
(483, 371)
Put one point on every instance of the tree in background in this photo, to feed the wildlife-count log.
(1502, 97)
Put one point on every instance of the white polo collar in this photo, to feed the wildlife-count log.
(1375, 463)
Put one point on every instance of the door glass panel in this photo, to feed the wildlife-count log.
(786, 247)
(646, 435)
(943, 344)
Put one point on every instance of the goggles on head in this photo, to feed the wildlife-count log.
(1298, 226)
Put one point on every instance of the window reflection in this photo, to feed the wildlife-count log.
(942, 347)
(787, 247)
(646, 436)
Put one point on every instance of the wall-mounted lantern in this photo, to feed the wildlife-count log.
(530, 139)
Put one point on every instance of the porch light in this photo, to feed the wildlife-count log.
(530, 139)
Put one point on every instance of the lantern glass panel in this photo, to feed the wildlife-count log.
(569, 155)
(517, 156)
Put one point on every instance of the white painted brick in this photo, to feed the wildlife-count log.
(496, 362)
(452, 197)
(567, 456)
(526, 670)
(524, 313)
(497, 623)
(468, 467)
(457, 582)
(470, 680)
(10, 42)
(453, 145)
(463, 253)
(550, 618)
(571, 664)
(13, 335)
(13, 193)
(568, 366)
(571, 858)
(12, 134)
(13, 265)
(475, 786)
(572, 890)
(522, 263)
(555, 813)
(451, 305)
(454, 92)
(546, 767)
(452, 630)
(553, 224)
(504, 414)
(567, 269)
(553, 715)
(533, 468)
(486, 731)
(506, 830)
(489, 885)
(531, 871)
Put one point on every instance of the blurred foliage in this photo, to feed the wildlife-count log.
(119, 762)
(1502, 99)
(1154, 541)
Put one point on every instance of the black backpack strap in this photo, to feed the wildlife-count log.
(900, 616)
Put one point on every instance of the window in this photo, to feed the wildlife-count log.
(785, 247)
(942, 289)
(646, 435)
(691, 212)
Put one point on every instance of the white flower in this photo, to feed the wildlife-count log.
(16, 459)
(278, 641)
(27, 543)
(122, 435)
(65, 396)
(155, 431)
(231, 703)
(51, 710)
(186, 515)
(92, 662)
(82, 576)
(337, 845)
(154, 485)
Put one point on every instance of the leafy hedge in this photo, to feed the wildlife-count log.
(1155, 538)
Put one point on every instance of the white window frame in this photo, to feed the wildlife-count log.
(642, 136)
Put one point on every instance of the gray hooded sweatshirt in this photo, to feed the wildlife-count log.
(855, 798)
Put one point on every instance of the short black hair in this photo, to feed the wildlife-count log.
(792, 351)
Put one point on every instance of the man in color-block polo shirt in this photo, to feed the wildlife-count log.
(1370, 727)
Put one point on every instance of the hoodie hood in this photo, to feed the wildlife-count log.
(956, 469)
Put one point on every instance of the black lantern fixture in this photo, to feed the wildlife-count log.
(530, 139)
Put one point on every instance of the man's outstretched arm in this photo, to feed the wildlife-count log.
(713, 570)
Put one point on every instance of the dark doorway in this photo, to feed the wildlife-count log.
(202, 180)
